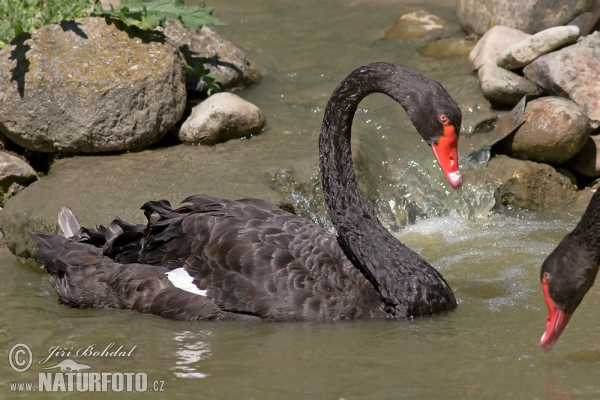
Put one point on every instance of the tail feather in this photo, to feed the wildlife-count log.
(100, 269)
(68, 222)
(49, 249)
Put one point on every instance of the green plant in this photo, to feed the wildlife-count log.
(26, 15)
(206, 81)
(149, 15)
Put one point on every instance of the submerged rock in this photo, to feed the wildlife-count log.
(555, 129)
(222, 117)
(505, 87)
(90, 85)
(414, 25)
(100, 189)
(530, 16)
(524, 52)
(448, 47)
(494, 42)
(530, 185)
(572, 72)
(219, 56)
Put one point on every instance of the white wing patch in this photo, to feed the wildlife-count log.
(182, 280)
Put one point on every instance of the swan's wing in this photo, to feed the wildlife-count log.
(251, 257)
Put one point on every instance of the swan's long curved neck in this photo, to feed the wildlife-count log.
(588, 227)
(356, 223)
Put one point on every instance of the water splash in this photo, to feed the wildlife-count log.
(400, 191)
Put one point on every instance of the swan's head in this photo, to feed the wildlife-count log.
(437, 117)
(445, 149)
(566, 276)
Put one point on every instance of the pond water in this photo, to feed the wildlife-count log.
(487, 348)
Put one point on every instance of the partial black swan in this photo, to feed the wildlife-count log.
(569, 272)
(247, 259)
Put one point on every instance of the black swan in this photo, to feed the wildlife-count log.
(569, 272)
(219, 259)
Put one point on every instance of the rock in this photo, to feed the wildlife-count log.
(414, 25)
(572, 72)
(221, 117)
(529, 16)
(99, 189)
(89, 86)
(586, 21)
(555, 129)
(15, 174)
(448, 47)
(587, 160)
(494, 42)
(220, 57)
(529, 185)
(505, 87)
(581, 201)
(524, 52)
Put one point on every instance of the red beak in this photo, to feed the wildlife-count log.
(446, 153)
(556, 323)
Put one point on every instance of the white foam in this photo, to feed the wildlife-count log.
(182, 280)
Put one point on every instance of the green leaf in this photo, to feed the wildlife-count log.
(18, 16)
(155, 13)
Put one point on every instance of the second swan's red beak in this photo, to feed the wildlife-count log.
(446, 153)
(557, 320)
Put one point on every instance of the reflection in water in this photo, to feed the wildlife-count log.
(190, 352)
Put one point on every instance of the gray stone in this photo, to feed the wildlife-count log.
(530, 16)
(529, 185)
(582, 199)
(494, 42)
(15, 174)
(555, 129)
(572, 72)
(219, 56)
(526, 51)
(221, 117)
(505, 87)
(99, 189)
(586, 21)
(587, 160)
(90, 86)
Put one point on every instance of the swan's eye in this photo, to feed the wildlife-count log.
(546, 277)
(443, 118)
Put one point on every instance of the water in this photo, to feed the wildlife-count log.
(487, 348)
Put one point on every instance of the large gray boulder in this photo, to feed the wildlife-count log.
(90, 86)
(572, 72)
(555, 129)
(530, 16)
(219, 56)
